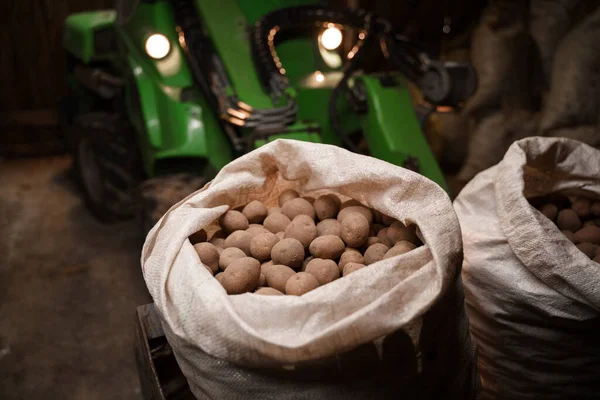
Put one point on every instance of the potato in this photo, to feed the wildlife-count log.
(233, 221)
(219, 234)
(241, 276)
(278, 275)
(597, 259)
(352, 267)
(276, 223)
(286, 195)
(356, 209)
(198, 237)
(549, 210)
(305, 263)
(329, 227)
(375, 253)
(568, 220)
(274, 210)
(229, 255)
(327, 246)
(262, 281)
(397, 232)
(597, 251)
(371, 240)
(595, 208)
(208, 269)
(354, 229)
(219, 276)
(336, 199)
(382, 235)
(256, 230)
(239, 239)
(298, 206)
(350, 203)
(217, 242)
(590, 234)
(300, 284)
(375, 228)
(209, 255)
(255, 212)
(265, 266)
(350, 256)
(267, 291)
(387, 220)
(582, 207)
(589, 249)
(399, 248)
(262, 244)
(280, 235)
(570, 235)
(302, 228)
(326, 207)
(288, 252)
(324, 270)
(310, 199)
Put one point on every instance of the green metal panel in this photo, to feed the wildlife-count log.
(78, 36)
(392, 129)
(302, 136)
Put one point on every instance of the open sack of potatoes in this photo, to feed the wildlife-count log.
(374, 330)
(531, 234)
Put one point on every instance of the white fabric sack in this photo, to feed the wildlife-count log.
(421, 289)
(532, 297)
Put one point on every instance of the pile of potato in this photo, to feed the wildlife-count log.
(300, 245)
(578, 218)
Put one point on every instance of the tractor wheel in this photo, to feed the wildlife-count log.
(157, 195)
(106, 164)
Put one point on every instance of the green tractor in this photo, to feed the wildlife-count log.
(164, 93)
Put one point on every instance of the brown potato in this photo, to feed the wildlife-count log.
(375, 253)
(371, 240)
(300, 284)
(570, 235)
(262, 244)
(328, 246)
(595, 208)
(375, 228)
(256, 230)
(233, 221)
(255, 212)
(382, 235)
(589, 249)
(329, 227)
(280, 235)
(217, 242)
(265, 266)
(198, 237)
(262, 281)
(326, 207)
(324, 270)
(276, 223)
(350, 203)
(387, 220)
(590, 234)
(239, 239)
(288, 252)
(597, 251)
(549, 210)
(286, 195)
(350, 256)
(597, 259)
(302, 228)
(229, 255)
(274, 210)
(399, 248)
(336, 199)
(568, 220)
(209, 255)
(219, 234)
(299, 206)
(208, 269)
(354, 229)
(397, 232)
(355, 209)
(267, 291)
(352, 267)
(278, 275)
(310, 199)
(241, 276)
(582, 207)
(219, 276)
(305, 263)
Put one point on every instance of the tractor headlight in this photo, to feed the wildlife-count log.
(331, 38)
(157, 46)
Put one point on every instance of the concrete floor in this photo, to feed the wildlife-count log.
(69, 286)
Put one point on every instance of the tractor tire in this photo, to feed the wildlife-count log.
(107, 165)
(156, 196)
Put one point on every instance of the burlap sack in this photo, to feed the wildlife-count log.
(532, 297)
(410, 306)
